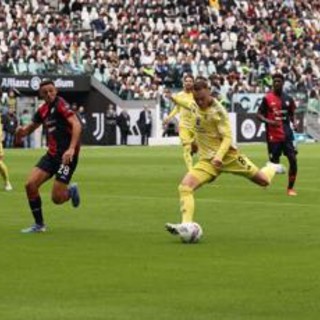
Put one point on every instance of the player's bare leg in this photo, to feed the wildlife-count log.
(36, 178)
(61, 193)
(5, 175)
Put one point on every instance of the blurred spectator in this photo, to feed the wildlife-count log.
(123, 122)
(314, 102)
(25, 119)
(145, 124)
(171, 129)
(136, 47)
(111, 112)
(3, 102)
(83, 116)
(10, 124)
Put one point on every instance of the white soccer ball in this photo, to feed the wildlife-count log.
(190, 232)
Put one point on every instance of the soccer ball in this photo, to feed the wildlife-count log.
(190, 232)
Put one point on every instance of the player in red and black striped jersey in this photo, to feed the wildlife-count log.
(63, 134)
(277, 112)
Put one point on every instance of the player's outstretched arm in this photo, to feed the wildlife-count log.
(74, 121)
(174, 111)
(182, 102)
(26, 130)
(178, 101)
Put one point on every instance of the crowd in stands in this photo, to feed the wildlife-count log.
(138, 47)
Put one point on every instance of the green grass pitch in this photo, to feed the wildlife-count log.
(259, 257)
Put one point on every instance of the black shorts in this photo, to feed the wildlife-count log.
(276, 149)
(53, 165)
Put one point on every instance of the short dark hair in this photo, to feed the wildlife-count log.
(200, 84)
(278, 75)
(188, 75)
(199, 78)
(45, 82)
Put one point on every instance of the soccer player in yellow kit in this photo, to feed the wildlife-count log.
(186, 131)
(216, 153)
(3, 168)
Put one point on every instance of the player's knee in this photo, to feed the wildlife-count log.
(57, 199)
(58, 196)
(31, 188)
(184, 189)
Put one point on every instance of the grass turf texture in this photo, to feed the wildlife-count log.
(111, 258)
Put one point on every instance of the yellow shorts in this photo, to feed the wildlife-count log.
(233, 162)
(186, 136)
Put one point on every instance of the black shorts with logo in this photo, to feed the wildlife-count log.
(53, 165)
(276, 149)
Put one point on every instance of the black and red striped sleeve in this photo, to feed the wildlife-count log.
(39, 116)
(64, 109)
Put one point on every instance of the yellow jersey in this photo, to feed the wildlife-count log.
(185, 117)
(212, 128)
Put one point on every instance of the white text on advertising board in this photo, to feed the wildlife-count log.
(34, 83)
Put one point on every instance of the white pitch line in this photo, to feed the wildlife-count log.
(262, 203)
(230, 186)
(289, 204)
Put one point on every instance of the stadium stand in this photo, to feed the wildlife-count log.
(136, 47)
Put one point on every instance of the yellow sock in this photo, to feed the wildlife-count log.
(186, 203)
(269, 172)
(187, 156)
(4, 171)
